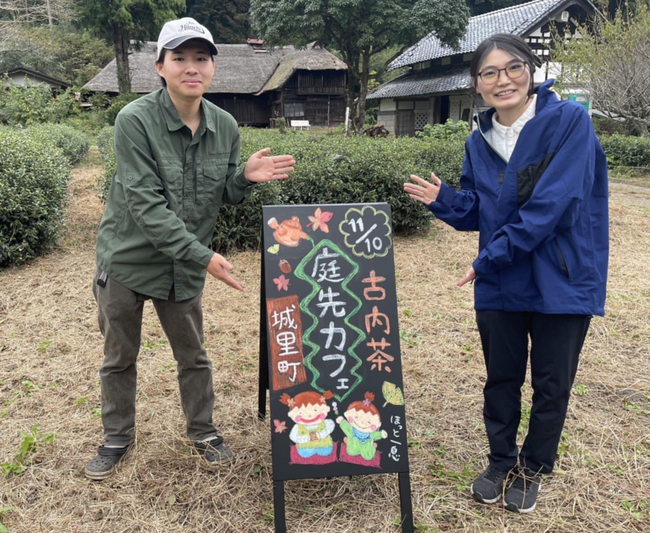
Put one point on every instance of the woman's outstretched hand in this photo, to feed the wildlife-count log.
(422, 190)
(469, 276)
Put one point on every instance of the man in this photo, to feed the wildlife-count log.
(177, 156)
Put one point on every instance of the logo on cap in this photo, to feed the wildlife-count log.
(189, 26)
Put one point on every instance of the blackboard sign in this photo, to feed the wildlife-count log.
(329, 319)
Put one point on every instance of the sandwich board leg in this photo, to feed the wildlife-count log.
(406, 507)
(264, 354)
(278, 507)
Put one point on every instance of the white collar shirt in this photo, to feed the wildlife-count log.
(504, 138)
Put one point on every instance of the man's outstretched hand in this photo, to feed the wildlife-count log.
(221, 269)
(260, 168)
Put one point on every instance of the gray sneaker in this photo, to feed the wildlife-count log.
(521, 496)
(103, 464)
(488, 487)
(214, 451)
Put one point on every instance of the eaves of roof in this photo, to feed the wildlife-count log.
(425, 82)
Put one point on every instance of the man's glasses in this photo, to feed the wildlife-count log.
(490, 75)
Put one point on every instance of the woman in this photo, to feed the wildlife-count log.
(534, 184)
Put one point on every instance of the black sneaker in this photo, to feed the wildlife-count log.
(488, 487)
(521, 496)
(103, 464)
(214, 450)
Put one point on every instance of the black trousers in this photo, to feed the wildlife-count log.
(555, 344)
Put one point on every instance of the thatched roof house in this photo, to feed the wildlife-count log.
(253, 83)
(436, 85)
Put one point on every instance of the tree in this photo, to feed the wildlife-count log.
(479, 7)
(359, 30)
(613, 64)
(35, 12)
(69, 56)
(17, 15)
(121, 21)
(227, 20)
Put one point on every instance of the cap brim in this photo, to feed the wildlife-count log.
(175, 43)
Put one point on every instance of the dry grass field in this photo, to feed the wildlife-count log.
(51, 349)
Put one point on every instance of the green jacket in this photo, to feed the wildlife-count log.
(165, 196)
(365, 449)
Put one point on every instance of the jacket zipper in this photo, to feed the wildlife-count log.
(478, 125)
(565, 269)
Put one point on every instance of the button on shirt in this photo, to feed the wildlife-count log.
(504, 138)
(165, 196)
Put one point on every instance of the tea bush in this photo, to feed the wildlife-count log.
(35, 104)
(330, 169)
(73, 143)
(116, 106)
(33, 196)
(107, 151)
(448, 130)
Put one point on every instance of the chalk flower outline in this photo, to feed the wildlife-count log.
(282, 282)
(280, 427)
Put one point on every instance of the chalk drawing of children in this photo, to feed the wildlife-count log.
(361, 427)
(312, 432)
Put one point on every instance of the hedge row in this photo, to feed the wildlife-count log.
(33, 195)
(329, 169)
(627, 151)
(73, 143)
(107, 151)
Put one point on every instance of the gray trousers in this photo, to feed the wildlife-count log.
(120, 321)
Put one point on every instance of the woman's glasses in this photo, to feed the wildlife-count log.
(490, 75)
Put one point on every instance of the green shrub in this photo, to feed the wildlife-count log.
(35, 104)
(450, 130)
(607, 126)
(73, 143)
(88, 122)
(33, 196)
(329, 169)
(23, 106)
(107, 150)
(116, 106)
(624, 150)
(337, 169)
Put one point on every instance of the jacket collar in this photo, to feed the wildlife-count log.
(174, 122)
(544, 94)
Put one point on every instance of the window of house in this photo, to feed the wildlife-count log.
(294, 109)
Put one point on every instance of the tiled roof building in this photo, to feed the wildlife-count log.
(436, 84)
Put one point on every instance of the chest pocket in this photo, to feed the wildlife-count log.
(212, 178)
(171, 174)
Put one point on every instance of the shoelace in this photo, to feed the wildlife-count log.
(493, 474)
(524, 482)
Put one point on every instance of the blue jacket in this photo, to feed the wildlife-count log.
(542, 218)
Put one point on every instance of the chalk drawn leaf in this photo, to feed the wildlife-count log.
(280, 427)
(392, 394)
(274, 249)
(320, 220)
(282, 283)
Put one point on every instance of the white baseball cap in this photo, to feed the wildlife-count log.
(176, 32)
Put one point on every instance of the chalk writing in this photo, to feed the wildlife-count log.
(332, 338)
(286, 342)
(367, 232)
